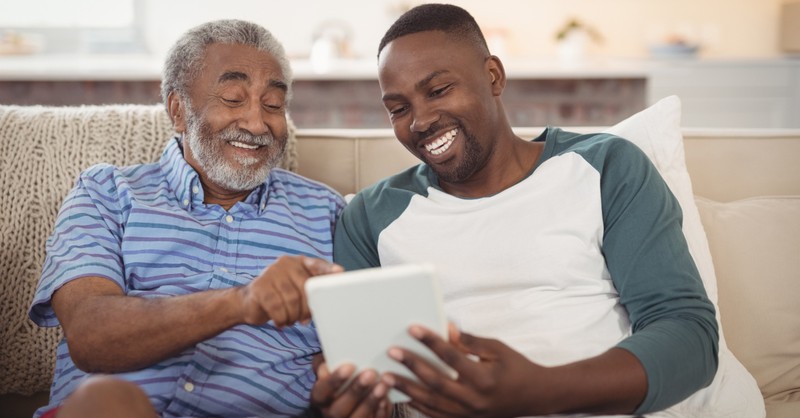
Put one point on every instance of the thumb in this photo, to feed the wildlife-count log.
(484, 348)
(454, 337)
(317, 266)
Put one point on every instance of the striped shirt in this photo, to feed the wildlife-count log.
(146, 228)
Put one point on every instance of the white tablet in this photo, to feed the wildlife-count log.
(359, 315)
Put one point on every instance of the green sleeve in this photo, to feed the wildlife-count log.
(354, 245)
(674, 329)
(355, 240)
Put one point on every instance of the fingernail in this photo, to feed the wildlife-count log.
(416, 331)
(345, 371)
(367, 377)
(388, 380)
(396, 354)
(379, 391)
(323, 371)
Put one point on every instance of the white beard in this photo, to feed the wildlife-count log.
(207, 151)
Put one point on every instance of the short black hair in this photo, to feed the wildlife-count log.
(447, 18)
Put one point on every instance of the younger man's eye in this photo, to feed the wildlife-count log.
(397, 110)
(439, 91)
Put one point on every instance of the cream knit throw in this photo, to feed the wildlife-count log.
(43, 149)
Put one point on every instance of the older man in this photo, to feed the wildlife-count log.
(183, 279)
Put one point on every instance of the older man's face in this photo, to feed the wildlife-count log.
(236, 128)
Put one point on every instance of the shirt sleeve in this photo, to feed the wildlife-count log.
(354, 245)
(674, 329)
(85, 241)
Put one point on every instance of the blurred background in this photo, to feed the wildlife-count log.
(735, 63)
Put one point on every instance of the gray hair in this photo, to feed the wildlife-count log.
(184, 60)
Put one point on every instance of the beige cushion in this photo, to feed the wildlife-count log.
(755, 244)
(42, 150)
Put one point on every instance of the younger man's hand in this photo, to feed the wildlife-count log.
(365, 397)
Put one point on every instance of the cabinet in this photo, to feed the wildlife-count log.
(716, 93)
(355, 103)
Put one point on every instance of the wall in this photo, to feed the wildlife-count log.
(728, 28)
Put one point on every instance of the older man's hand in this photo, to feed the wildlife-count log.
(278, 293)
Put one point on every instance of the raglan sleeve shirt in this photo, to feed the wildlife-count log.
(674, 333)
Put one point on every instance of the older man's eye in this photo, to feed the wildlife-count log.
(231, 101)
(273, 107)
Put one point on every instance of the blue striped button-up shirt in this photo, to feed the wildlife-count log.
(146, 228)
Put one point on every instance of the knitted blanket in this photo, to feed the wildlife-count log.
(42, 150)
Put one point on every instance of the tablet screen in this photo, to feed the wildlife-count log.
(359, 315)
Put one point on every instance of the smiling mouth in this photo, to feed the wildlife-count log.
(443, 143)
(242, 145)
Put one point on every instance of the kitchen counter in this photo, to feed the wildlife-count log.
(134, 67)
(145, 67)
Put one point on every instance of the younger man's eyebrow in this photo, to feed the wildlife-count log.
(424, 82)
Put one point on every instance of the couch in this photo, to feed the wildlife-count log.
(744, 193)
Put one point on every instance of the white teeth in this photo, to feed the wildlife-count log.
(243, 145)
(442, 144)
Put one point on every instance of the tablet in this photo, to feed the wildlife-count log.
(359, 315)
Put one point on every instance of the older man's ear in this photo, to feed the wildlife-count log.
(177, 112)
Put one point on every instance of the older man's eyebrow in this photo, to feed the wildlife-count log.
(278, 84)
(233, 76)
(240, 76)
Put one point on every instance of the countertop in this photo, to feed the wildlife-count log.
(144, 68)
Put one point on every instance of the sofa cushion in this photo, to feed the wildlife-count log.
(42, 150)
(755, 245)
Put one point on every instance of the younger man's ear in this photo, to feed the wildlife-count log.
(497, 75)
(177, 112)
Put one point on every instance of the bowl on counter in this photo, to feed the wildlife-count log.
(673, 51)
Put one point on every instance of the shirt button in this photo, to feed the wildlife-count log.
(195, 189)
(263, 206)
(185, 202)
(229, 218)
(223, 269)
(188, 386)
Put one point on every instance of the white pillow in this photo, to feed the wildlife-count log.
(657, 131)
